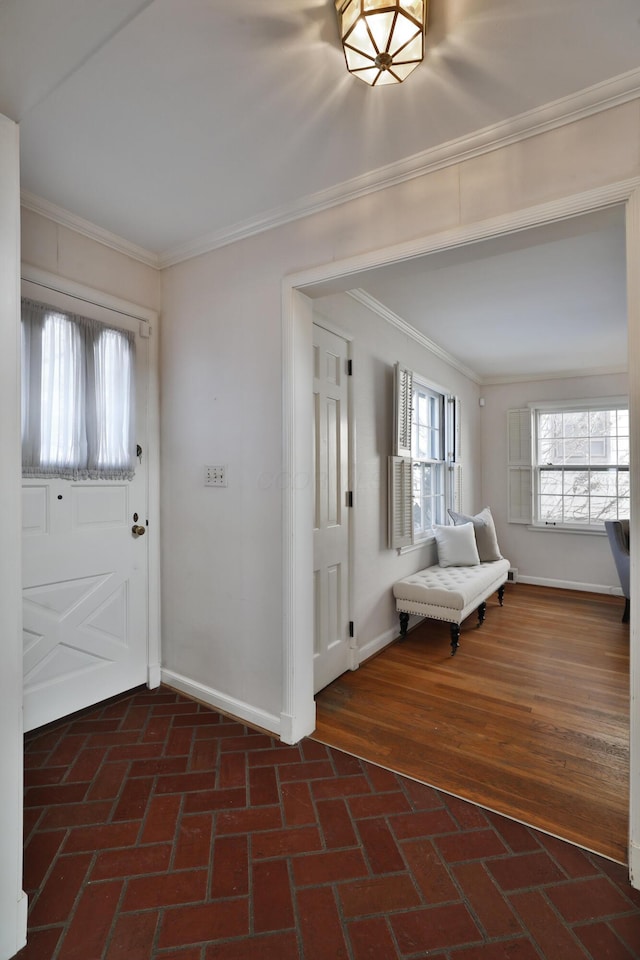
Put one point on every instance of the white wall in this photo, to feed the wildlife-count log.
(581, 560)
(376, 346)
(65, 253)
(222, 547)
(222, 392)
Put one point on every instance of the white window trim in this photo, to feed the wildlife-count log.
(520, 467)
(441, 397)
(401, 537)
(618, 402)
(583, 530)
(80, 455)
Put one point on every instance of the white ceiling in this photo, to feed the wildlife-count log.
(167, 121)
(547, 300)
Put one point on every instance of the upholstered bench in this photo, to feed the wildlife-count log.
(450, 594)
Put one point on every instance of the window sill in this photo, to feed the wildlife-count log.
(582, 531)
(416, 546)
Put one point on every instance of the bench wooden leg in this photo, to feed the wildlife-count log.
(482, 609)
(455, 637)
(501, 594)
(404, 623)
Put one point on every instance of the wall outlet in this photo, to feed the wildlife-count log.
(215, 476)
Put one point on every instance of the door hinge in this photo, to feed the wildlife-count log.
(351, 628)
(350, 498)
(349, 368)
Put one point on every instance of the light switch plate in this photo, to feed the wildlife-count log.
(215, 476)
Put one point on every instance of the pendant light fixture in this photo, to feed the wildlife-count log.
(383, 40)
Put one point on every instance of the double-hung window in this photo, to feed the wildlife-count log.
(424, 473)
(579, 463)
(428, 456)
(77, 396)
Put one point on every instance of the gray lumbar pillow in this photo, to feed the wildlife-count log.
(485, 532)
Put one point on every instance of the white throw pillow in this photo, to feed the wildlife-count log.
(456, 545)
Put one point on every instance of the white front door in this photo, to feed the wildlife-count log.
(331, 512)
(85, 572)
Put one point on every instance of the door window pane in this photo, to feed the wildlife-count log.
(77, 397)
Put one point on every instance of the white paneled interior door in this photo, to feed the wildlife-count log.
(331, 513)
(85, 573)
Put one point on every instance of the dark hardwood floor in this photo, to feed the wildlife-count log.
(529, 719)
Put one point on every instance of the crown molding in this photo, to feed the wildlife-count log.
(378, 308)
(595, 99)
(588, 102)
(497, 381)
(87, 229)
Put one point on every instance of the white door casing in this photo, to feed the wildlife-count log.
(13, 902)
(331, 522)
(85, 573)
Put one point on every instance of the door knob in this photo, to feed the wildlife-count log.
(137, 530)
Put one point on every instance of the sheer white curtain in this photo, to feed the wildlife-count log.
(111, 386)
(77, 396)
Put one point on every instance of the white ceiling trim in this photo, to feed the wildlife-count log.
(592, 100)
(87, 229)
(496, 381)
(595, 99)
(379, 308)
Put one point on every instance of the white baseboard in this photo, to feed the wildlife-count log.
(383, 640)
(376, 645)
(220, 701)
(570, 585)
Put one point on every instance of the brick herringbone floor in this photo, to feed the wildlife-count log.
(156, 829)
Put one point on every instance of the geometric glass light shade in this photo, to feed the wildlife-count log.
(383, 40)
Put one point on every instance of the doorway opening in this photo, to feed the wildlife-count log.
(299, 291)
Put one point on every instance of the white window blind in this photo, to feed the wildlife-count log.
(77, 396)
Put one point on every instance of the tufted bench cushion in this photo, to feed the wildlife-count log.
(449, 593)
